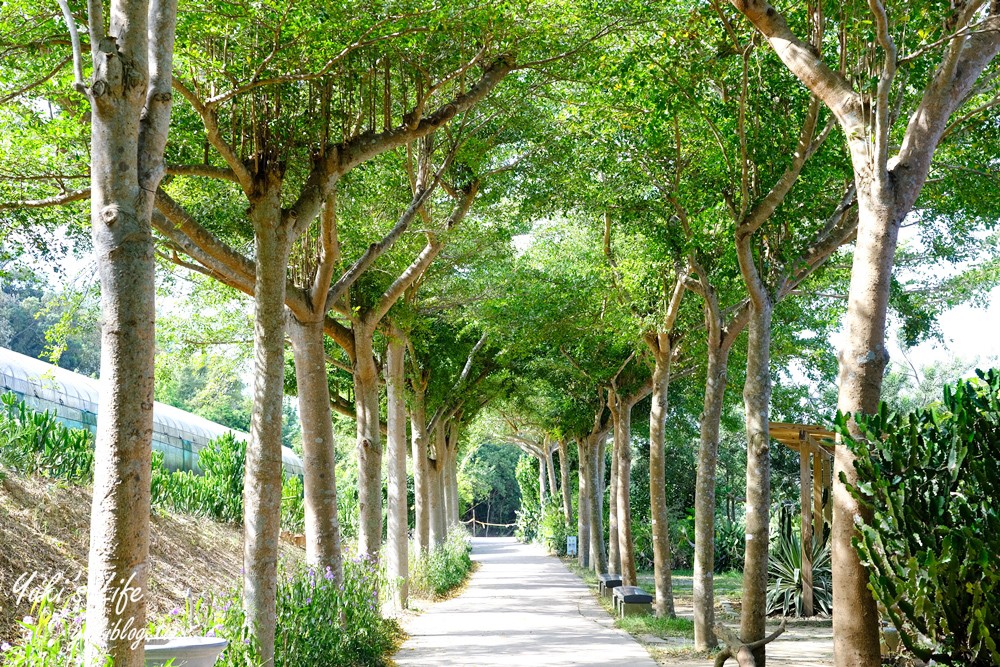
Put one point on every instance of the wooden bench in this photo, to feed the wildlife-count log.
(608, 582)
(632, 600)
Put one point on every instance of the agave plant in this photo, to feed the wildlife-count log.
(784, 593)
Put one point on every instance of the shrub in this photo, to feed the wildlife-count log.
(221, 462)
(37, 443)
(322, 622)
(930, 479)
(53, 633)
(443, 569)
(784, 592)
(526, 524)
(552, 527)
(730, 544)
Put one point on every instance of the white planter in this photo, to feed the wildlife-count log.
(184, 651)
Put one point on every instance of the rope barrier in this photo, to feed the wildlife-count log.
(476, 521)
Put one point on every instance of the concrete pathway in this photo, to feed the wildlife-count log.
(521, 608)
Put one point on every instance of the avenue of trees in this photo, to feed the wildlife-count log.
(525, 222)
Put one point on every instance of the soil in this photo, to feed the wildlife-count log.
(44, 530)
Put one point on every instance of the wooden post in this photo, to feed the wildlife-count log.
(805, 494)
(820, 457)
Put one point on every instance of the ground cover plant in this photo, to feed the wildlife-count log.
(929, 478)
(444, 568)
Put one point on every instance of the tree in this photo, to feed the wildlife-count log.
(130, 101)
(967, 38)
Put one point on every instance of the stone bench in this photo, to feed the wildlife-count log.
(608, 582)
(632, 600)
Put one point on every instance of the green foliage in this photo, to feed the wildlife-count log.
(36, 443)
(552, 527)
(730, 543)
(929, 477)
(53, 633)
(487, 483)
(445, 568)
(218, 492)
(530, 513)
(526, 524)
(322, 622)
(784, 592)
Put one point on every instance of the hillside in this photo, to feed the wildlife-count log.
(44, 529)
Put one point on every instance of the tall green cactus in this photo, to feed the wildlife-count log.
(932, 479)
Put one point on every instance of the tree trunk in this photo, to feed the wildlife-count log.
(584, 502)
(599, 558)
(397, 533)
(564, 480)
(551, 470)
(663, 604)
(452, 490)
(757, 399)
(437, 517)
(323, 547)
(263, 474)
(614, 555)
(541, 481)
(369, 444)
(862, 365)
(623, 446)
(704, 503)
(421, 473)
(130, 105)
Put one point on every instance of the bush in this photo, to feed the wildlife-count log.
(53, 633)
(552, 527)
(930, 479)
(730, 544)
(36, 443)
(443, 569)
(784, 592)
(526, 524)
(321, 622)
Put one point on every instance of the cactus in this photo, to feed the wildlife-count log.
(931, 479)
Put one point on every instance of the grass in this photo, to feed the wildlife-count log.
(728, 585)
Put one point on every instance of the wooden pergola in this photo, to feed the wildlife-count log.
(815, 447)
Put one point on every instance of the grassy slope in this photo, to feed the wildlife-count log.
(44, 528)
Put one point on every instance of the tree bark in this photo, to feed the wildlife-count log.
(398, 515)
(551, 470)
(541, 480)
(131, 75)
(452, 491)
(322, 524)
(564, 480)
(623, 446)
(438, 527)
(599, 558)
(862, 364)
(704, 504)
(757, 400)
(584, 502)
(421, 472)
(661, 348)
(369, 443)
(263, 474)
(614, 545)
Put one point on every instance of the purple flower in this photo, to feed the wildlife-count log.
(176, 611)
(210, 633)
(5, 646)
(309, 600)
